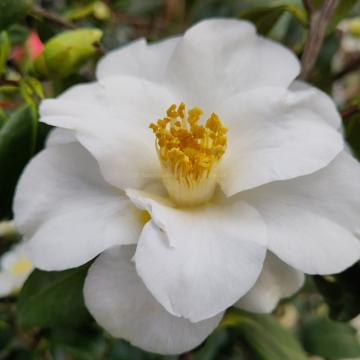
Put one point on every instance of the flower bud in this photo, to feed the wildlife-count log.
(65, 53)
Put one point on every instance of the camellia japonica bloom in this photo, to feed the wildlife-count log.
(15, 267)
(203, 174)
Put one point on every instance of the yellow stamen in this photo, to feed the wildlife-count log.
(189, 151)
(144, 217)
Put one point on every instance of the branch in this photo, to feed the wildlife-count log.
(39, 11)
(309, 6)
(318, 20)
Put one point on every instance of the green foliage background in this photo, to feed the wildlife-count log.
(48, 320)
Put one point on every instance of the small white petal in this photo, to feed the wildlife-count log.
(15, 268)
(276, 134)
(68, 211)
(277, 281)
(138, 59)
(120, 302)
(7, 284)
(199, 261)
(217, 58)
(311, 220)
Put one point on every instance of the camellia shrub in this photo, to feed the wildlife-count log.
(179, 179)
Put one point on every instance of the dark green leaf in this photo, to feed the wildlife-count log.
(266, 17)
(352, 132)
(17, 34)
(330, 339)
(340, 293)
(85, 344)
(265, 336)
(12, 11)
(17, 141)
(53, 299)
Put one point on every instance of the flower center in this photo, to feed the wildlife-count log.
(189, 153)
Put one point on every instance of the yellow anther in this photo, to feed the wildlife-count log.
(171, 111)
(188, 150)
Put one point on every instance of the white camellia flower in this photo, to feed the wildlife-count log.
(15, 267)
(204, 174)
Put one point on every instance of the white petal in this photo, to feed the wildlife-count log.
(138, 59)
(59, 136)
(277, 281)
(7, 284)
(199, 261)
(217, 58)
(276, 134)
(320, 101)
(311, 220)
(68, 212)
(120, 302)
(111, 119)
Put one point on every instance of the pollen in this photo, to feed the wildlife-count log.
(188, 151)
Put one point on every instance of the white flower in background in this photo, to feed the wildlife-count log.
(239, 187)
(15, 267)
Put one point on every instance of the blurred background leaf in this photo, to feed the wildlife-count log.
(53, 299)
(46, 46)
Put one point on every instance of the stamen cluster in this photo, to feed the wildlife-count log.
(187, 149)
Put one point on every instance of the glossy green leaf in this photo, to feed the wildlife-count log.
(265, 336)
(17, 142)
(4, 51)
(330, 339)
(12, 10)
(53, 299)
(67, 52)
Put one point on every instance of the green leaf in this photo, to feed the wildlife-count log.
(265, 336)
(67, 52)
(12, 10)
(87, 344)
(17, 34)
(4, 51)
(330, 339)
(17, 141)
(265, 18)
(53, 299)
(212, 346)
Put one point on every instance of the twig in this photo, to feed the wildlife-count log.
(8, 82)
(38, 10)
(318, 21)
